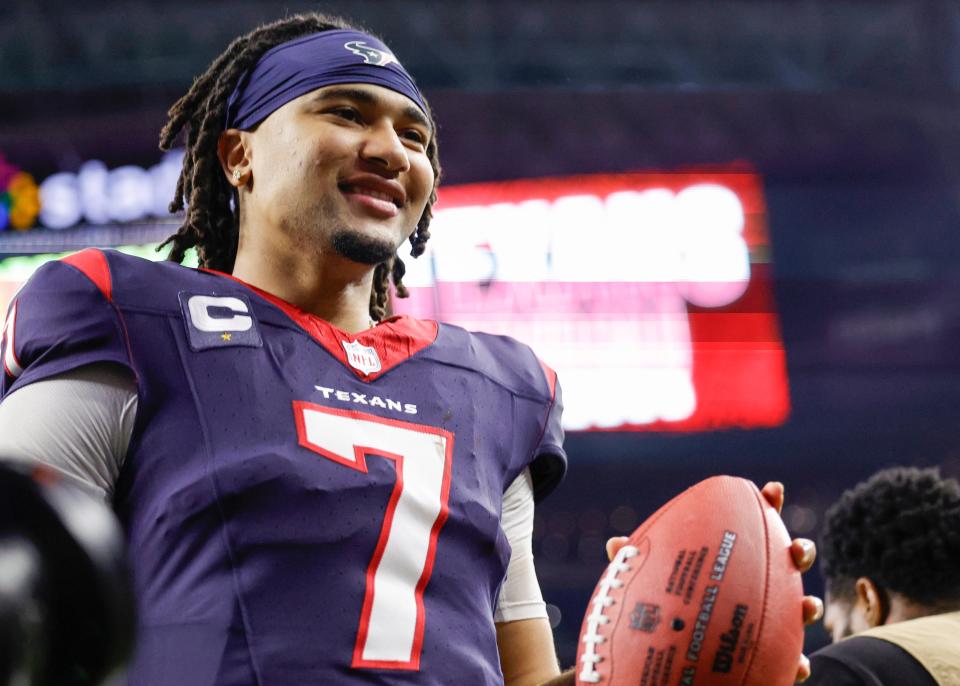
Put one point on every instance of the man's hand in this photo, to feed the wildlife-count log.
(803, 550)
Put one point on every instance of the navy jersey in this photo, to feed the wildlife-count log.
(301, 505)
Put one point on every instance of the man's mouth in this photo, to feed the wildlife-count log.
(371, 201)
(354, 189)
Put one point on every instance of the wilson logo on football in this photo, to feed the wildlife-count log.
(737, 620)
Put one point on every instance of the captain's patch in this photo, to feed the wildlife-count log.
(214, 321)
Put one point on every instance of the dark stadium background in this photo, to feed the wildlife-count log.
(848, 109)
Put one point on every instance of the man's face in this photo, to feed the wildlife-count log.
(843, 617)
(342, 168)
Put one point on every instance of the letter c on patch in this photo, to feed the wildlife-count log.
(200, 316)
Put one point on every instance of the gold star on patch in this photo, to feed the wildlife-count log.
(226, 336)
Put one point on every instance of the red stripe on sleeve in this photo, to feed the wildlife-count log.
(93, 264)
(551, 378)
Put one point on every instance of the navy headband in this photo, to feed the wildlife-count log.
(289, 70)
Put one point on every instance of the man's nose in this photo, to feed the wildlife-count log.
(384, 147)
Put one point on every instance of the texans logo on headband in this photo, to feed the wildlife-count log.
(309, 62)
(370, 55)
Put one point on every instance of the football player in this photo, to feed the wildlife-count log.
(311, 492)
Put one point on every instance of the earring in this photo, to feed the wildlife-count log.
(237, 174)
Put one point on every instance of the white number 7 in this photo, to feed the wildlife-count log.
(390, 635)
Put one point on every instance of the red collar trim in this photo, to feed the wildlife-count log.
(394, 340)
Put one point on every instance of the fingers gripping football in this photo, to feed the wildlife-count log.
(707, 592)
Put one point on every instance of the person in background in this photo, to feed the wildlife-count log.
(890, 553)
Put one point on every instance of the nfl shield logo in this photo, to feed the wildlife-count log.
(362, 357)
(645, 617)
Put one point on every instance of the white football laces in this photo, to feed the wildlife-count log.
(596, 618)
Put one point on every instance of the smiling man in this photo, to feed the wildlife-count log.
(312, 493)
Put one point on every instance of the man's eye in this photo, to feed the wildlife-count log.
(415, 136)
(347, 113)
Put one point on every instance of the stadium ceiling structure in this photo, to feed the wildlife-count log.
(911, 45)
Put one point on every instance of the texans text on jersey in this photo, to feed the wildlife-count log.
(363, 399)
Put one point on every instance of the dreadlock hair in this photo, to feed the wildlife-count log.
(901, 529)
(211, 225)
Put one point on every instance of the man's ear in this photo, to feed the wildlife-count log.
(234, 155)
(873, 601)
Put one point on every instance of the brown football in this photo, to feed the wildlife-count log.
(705, 593)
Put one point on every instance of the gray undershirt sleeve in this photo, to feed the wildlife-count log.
(520, 595)
(79, 423)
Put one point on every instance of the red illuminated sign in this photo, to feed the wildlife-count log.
(650, 294)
